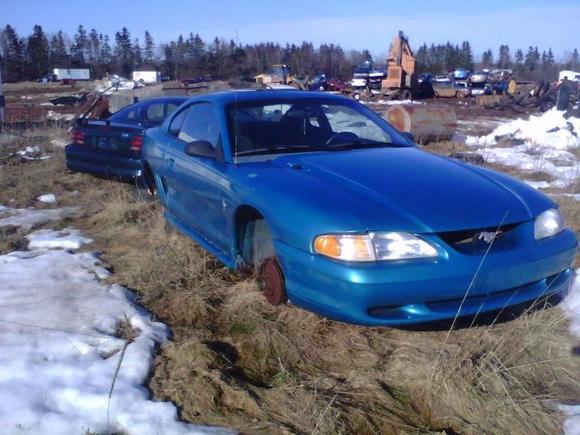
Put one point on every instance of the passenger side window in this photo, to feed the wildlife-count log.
(201, 123)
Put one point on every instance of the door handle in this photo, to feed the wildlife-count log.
(171, 163)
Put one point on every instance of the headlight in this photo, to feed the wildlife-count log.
(373, 246)
(399, 246)
(548, 224)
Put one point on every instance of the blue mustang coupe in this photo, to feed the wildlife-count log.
(343, 215)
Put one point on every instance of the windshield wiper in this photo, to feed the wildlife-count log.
(277, 149)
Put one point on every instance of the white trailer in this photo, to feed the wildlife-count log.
(71, 74)
(572, 76)
(146, 76)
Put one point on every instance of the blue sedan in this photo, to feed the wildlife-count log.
(112, 147)
(343, 215)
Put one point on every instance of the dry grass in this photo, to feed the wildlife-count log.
(235, 360)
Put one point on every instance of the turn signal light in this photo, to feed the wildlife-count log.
(345, 247)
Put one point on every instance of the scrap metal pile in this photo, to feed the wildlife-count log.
(543, 96)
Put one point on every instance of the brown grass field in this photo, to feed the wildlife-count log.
(234, 360)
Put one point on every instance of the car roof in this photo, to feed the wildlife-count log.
(241, 95)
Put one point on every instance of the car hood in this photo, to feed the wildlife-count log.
(405, 189)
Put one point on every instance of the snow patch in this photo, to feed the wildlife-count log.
(395, 102)
(58, 142)
(553, 162)
(550, 129)
(537, 184)
(48, 198)
(55, 116)
(59, 349)
(50, 239)
(27, 218)
(540, 144)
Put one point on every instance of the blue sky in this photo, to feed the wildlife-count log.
(352, 24)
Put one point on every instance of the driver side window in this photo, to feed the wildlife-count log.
(200, 124)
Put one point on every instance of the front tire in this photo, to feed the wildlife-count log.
(263, 256)
(271, 282)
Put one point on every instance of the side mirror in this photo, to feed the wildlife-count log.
(409, 136)
(200, 148)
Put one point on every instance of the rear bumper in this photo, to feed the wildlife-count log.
(84, 159)
(409, 292)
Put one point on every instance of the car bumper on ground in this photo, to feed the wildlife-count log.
(408, 292)
(85, 159)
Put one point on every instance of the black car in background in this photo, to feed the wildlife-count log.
(111, 147)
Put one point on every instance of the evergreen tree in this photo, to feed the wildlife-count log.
(12, 48)
(149, 49)
(169, 61)
(466, 55)
(59, 57)
(574, 63)
(37, 54)
(124, 55)
(531, 60)
(79, 48)
(94, 47)
(487, 59)
(106, 51)
(504, 60)
(137, 56)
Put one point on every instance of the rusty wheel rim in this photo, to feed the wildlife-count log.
(271, 282)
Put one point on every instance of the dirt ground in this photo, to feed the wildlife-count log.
(234, 360)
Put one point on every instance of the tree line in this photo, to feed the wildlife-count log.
(530, 65)
(32, 57)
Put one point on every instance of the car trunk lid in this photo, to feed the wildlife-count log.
(109, 137)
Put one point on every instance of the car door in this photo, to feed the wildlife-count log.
(169, 148)
(199, 184)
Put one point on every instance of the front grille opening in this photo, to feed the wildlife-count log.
(479, 236)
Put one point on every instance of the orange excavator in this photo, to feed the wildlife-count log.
(401, 80)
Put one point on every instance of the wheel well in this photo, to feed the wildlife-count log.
(244, 215)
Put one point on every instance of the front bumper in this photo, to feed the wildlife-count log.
(516, 270)
(98, 162)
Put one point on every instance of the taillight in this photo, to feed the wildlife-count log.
(78, 136)
(136, 143)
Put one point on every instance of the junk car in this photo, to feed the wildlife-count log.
(343, 215)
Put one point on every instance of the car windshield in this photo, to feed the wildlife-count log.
(306, 125)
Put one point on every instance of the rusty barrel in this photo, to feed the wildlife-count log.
(428, 123)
